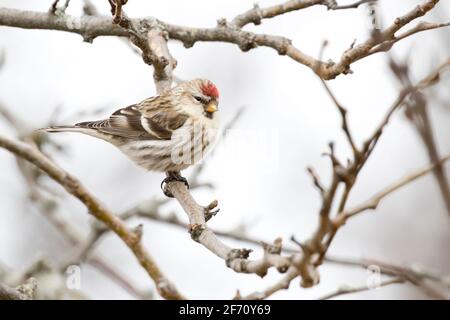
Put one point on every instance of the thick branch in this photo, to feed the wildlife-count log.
(235, 259)
(162, 60)
(92, 26)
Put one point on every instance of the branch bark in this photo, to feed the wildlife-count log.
(90, 27)
(256, 14)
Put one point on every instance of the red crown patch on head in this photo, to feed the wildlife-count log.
(210, 90)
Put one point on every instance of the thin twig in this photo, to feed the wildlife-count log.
(374, 201)
(348, 290)
(256, 14)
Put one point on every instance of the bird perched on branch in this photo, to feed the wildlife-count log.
(168, 132)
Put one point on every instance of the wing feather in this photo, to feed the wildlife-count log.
(144, 121)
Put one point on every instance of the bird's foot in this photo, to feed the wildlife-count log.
(172, 177)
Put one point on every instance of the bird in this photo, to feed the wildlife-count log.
(166, 133)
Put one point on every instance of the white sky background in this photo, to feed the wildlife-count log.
(284, 102)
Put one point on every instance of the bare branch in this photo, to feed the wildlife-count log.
(91, 27)
(235, 259)
(116, 9)
(373, 202)
(23, 292)
(385, 36)
(349, 6)
(162, 60)
(343, 112)
(417, 112)
(119, 279)
(418, 277)
(74, 187)
(348, 290)
(53, 7)
(49, 205)
(256, 14)
(422, 26)
(327, 229)
(282, 284)
(316, 180)
(150, 210)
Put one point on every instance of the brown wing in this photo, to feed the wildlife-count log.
(143, 121)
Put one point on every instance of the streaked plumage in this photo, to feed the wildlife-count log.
(168, 132)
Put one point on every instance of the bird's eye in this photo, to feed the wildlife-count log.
(199, 99)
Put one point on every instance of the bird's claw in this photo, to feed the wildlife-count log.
(171, 178)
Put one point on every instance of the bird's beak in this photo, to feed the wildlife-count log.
(211, 107)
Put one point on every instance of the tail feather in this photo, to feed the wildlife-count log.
(64, 129)
(80, 128)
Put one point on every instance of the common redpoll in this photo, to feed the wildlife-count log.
(168, 132)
